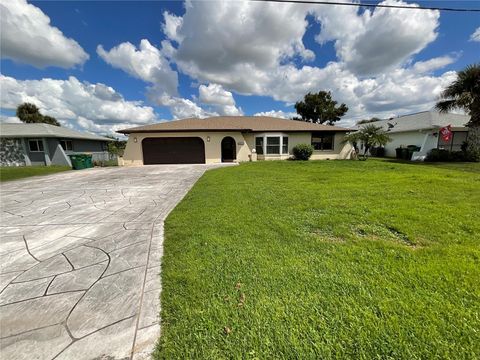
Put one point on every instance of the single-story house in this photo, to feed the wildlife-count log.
(422, 129)
(230, 138)
(44, 144)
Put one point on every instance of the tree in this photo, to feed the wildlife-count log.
(29, 113)
(116, 146)
(464, 93)
(320, 108)
(367, 121)
(370, 135)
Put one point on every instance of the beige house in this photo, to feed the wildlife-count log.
(230, 139)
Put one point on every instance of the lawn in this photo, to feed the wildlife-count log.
(15, 173)
(324, 259)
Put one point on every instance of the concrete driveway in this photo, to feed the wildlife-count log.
(80, 261)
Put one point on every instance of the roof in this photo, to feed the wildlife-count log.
(45, 130)
(425, 120)
(233, 123)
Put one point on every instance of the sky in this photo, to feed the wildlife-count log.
(101, 66)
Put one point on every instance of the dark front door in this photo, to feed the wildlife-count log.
(229, 150)
(173, 150)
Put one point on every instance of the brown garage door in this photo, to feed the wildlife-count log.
(173, 150)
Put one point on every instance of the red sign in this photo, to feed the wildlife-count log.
(446, 133)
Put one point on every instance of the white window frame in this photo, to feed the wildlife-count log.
(272, 135)
(38, 141)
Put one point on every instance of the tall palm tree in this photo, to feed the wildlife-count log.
(464, 93)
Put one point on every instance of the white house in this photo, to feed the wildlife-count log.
(422, 129)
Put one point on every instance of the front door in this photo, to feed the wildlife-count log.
(229, 149)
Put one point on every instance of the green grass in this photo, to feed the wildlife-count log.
(333, 259)
(15, 173)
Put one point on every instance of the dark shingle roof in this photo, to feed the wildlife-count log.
(233, 123)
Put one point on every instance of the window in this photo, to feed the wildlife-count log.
(35, 145)
(455, 143)
(259, 145)
(322, 141)
(285, 145)
(66, 145)
(273, 145)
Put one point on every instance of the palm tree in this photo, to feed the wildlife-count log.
(370, 135)
(464, 93)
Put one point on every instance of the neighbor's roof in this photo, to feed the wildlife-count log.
(422, 121)
(45, 130)
(233, 123)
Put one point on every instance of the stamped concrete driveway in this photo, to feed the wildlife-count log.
(80, 261)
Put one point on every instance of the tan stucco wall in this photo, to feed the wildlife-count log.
(133, 154)
(245, 143)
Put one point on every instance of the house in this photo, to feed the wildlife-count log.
(44, 144)
(422, 129)
(230, 139)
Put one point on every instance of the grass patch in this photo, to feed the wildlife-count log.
(15, 173)
(324, 259)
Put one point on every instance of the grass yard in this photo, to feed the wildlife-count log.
(324, 259)
(15, 173)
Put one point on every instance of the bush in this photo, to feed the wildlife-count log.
(302, 151)
(440, 155)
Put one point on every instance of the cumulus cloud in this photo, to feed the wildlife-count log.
(183, 108)
(476, 35)
(27, 36)
(379, 40)
(259, 53)
(145, 63)
(277, 114)
(9, 119)
(95, 107)
(219, 98)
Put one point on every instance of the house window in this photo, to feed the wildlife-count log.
(66, 145)
(273, 145)
(285, 145)
(259, 145)
(455, 143)
(322, 141)
(35, 145)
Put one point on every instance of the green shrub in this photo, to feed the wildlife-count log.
(302, 151)
(440, 155)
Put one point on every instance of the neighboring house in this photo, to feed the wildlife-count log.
(230, 138)
(422, 129)
(43, 144)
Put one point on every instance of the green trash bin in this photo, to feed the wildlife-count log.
(88, 160)
(78, 162)
(410, 150)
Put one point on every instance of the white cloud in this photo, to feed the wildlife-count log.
(147, 64)
(9, 119)
(476, 35)
(254, 53)
(379, 40)
(277, 114)
(171, 25)
(27, 36)
(221, 99)
(183, 108)
(76, 104)
(433, 64)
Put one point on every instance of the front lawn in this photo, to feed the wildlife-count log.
(15, 173)
(324, 259)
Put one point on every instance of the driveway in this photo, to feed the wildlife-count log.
(80, 261)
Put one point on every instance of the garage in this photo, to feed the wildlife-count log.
(173, 150)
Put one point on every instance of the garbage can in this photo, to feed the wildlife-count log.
(401, 153)
(410, 150)
(88, 160)
(78, 162)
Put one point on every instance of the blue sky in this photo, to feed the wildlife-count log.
(249, 59)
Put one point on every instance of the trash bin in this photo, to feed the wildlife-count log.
(78, 162)
(401, 153)
(410, 150)
(88, 160)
